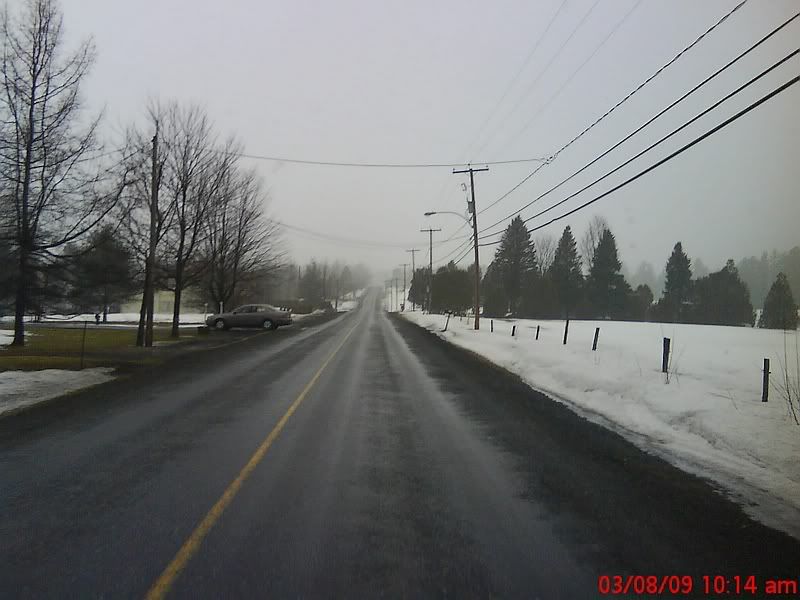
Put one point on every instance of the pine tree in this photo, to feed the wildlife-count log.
(678, 284)
(493, 297)
(780, 310)
(565, 273)
(515, 262)
(721, 298)
(103, 273)
(606, 288)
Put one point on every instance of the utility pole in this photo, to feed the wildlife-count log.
(474, 212)
(403, 303)
(430, 266)
(151, 254)
(413, 270)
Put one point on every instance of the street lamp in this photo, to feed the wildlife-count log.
(477, 268)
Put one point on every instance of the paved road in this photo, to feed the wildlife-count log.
(405, 468)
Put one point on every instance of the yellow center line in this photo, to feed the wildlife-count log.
(190, 547)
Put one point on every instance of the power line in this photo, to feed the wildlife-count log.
(330, 163)
(339, 239)
(517, 74)
(666, 159)
(569, 79)
(641, 127)
(621, 102)
(542, 72)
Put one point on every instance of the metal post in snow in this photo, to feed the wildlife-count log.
(537, 332)
(513, 330)
(765, 382)
(446, 323)
(665, 356)
(566, 331)
(596, 334)
(491, 326)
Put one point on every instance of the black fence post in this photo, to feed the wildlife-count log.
(665, 356)
(566, 331)
(446, 323)
(513, 330)
(537, 332)
(596, 334)
(491, 326)
(765, 382)
(83, 343)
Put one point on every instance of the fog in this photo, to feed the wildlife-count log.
(420, 82)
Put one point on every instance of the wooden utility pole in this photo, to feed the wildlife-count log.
(151, 253)
(413, 252)
(430, 266)
(403, 302)
(474, 212)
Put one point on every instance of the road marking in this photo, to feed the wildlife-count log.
(190, 547)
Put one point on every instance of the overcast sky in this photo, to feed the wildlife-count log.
(415, 82)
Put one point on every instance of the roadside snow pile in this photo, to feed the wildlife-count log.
(300, 317)
(709, 418)
(19, 389)
(6, 337)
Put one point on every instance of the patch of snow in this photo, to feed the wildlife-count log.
(298, 317)
(19, 389)
(709, 419)
(186, 319)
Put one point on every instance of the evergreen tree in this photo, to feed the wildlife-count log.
(311, 283)
(722, 298)
(606, 288)
(453, 289)
(780, 310)
(565, 273)
(640, 303)
(103, 273)
(678, 285)
(493, 296)
(515, 262)
(417, 293)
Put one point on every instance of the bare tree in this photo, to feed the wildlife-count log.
(545, 251)
(54, 191)
(240, 239)
(192, 178)
(591, 238)
(146, 215)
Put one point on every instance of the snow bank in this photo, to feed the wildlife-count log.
(709, 418)
(6, 336)
(24, 388)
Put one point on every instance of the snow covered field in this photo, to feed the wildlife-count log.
(24, 388)
(709, 418)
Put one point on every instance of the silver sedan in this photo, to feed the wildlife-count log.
(251, 315)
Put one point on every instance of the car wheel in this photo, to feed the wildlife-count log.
(219, 325)
(268, 325)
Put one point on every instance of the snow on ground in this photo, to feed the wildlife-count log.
(6, 336)
(350, 301)
(19, 389)
(187, 320)
(709, 418)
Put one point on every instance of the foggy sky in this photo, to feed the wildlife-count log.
(412, 82)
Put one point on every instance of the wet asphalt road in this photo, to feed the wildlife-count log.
(409, 469)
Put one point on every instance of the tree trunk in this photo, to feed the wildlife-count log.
(21, 299)
(140, 337)
(176, 309)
